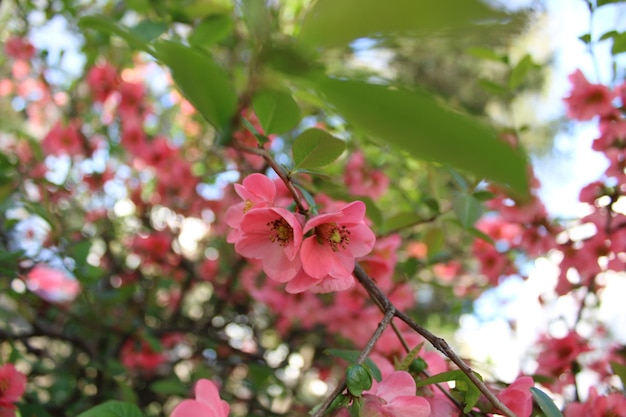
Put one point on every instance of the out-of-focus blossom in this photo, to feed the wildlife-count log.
(51, 284)
(64, 140)
(206, 404)
(12, 387)
(517, 396)
(363, 180)
(612, 405)
(588, 100)
(19, 48)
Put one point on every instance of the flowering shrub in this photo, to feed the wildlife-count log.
(211, 202)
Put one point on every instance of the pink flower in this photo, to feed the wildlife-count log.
(363, 180)
(103, 80)
(53, 285)
(273, 235)
(588, 100)
(207, 403)
(63, 140)
(558, 355)
(598, 406)
(19, 48)
(256, 190)
(518, 397)
(12, 387)
(394, 396)
(337, 239)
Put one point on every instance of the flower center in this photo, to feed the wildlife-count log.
(338, 237)
(280, 231)
(247, 206)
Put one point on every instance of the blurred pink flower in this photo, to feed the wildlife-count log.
(103, 79)
(19, 48)
(362, 179)
(51, 284)
(518, 397)
(612, 405)
(207, 403)
(587, 100)
(64, 140)
(12, 387)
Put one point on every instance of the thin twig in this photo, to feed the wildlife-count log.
(384, 323)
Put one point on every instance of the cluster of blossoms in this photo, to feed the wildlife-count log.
(317, 253)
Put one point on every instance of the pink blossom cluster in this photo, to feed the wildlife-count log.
(316, 253)
(580, 263)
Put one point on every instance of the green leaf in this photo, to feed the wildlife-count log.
(148, 30)
(427, 130)
(410, 357)
(492, 87)
(619, 43)
(109, 26)
(402, 220)
(358, 379)
(481, 235)
(211, 30)
(201, 80)
(619, 370)
(605, 2)
(335, 23)
(351, 356)
(434, 240)
(372, 211)
(462, 383)
(316, 148)
(171, 386)
(113, 409)
(467, 208)
(545, 403)
(32, 410)
(488, 54)
(586, 38)
(278, 112)
(518, 73)
(609, 34)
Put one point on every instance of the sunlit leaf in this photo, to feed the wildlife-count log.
(109, 26)
(202, 81)
(619, 43)
(277, 111)
(316, 148)
(518, 73)
(211, 30)
(417, 123)
(486, 53)
(335, 23)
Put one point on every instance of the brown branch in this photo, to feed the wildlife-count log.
(439, 343)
